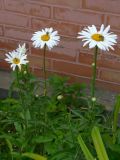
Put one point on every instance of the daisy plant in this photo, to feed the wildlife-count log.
(22, 49)
(17, 58)
(98, 39)
(46, 38)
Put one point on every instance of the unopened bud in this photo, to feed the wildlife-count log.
(25, 72)
(36, 95)
(93, 99)
(59, 97)
(93, 64)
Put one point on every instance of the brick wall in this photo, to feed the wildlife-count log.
(20, 18)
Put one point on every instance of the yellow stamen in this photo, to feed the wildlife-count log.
(45, 37)
(97, 37)
(16, 61)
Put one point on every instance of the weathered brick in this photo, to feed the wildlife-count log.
(1, 30)
(114, 21)
(107, 85)
(110, 75)
(18, 33)
(82, 17)
(116, 50)
(4, 65)
(62, 27)
(57, 53)
(0, 4)
(7, 45)
(103, 5)
(36, 61)
(71, 43)
(110, 61)
(13, 19)
(27, 7)
(39, 72)
(67, 3)
(76, 69)
(85, 58)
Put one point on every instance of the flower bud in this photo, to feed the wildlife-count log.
(93, 64)
(25, 72)
(93, 99)
(59, 97)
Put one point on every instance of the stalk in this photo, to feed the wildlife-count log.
(44, 71)
(115, 118)
(94, 67)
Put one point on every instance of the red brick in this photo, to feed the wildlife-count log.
(18, 33)
(39, 72)
(110, 75)
(6, 46)
(115, 52)
(62, 27)
(114, 21)
(36, 61)
(103, 5)
(13, 19)
(4, 65)
(27, 7)
(105, 60)
(67, 3)
(57, 53)
(110, 86)
(85, 58)
(0, 4)
(1, 30)
(71, 68)
(110, 61)
(82, 17)
(71, 43)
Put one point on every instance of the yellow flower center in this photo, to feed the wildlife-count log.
(16, 61)
(97, 37)
(45, 37)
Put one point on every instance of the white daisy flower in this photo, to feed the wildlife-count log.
(22, 49)
(103, 39)
(16, 59)
(46, 37)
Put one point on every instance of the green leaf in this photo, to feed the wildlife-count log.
(42, 139)
(18, 127)
(27, 114)
(9, 145)
(34, 156)
(115, 119)
(85, 150)
(98, 143)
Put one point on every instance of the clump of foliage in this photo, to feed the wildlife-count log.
(57, 123)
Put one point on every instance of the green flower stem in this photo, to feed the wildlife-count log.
(21, 98)
(115, 118)
(94, 66)
(70, 127)
(44, 71)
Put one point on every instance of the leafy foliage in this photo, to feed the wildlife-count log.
(34, 125)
